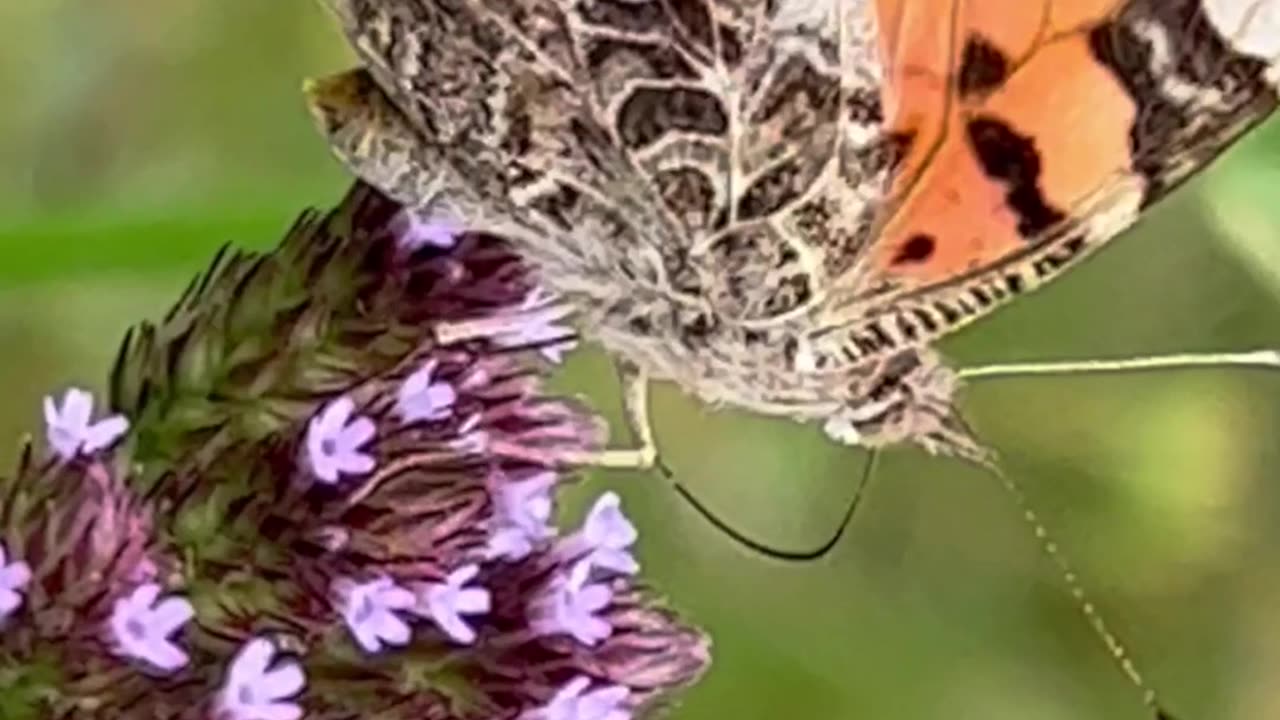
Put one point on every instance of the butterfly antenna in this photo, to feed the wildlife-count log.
(767, 550)
(1084, 604)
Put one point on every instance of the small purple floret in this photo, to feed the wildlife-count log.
(334, 440)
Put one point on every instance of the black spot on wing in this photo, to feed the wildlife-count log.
(983, 67)
(916, 249)
(1012, 159)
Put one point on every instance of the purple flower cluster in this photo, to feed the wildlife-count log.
(381, 545)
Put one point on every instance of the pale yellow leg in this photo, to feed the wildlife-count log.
(635, 393)
(635, 407)
(1253, 358)
(1261, 359)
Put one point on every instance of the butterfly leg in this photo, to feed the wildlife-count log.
(635, 407)
(634, 381)
(1254, 358)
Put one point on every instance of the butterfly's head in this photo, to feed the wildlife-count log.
(857, 424)
(369, 134)
(906, 398)
(341, 100)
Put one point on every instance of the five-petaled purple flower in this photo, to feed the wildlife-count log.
(521, 515)
(69, 429)
(420, 399)
(605, 537)
(334, 440)
(255, 691)
(141, 627)
(445, 603)
(370, 608)
(570, 605)
(573, 702)
(14, 576)
(543, 327)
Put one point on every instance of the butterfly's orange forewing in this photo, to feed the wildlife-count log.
(1013, 123)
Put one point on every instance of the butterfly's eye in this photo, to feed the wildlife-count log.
(838, 427)
(856, 424)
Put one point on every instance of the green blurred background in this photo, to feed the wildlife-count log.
(138, 135)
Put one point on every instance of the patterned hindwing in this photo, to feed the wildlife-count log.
(496, 96)
(757, 127)
(728, 153)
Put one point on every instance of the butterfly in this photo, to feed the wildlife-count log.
(780, 205)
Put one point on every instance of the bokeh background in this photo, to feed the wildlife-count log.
(136, 136)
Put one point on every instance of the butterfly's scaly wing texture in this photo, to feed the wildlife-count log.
(1038, 132)
(726, 153)
(691, 173)
(779, 203)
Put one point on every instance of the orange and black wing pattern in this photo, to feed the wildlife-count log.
(1026, 118)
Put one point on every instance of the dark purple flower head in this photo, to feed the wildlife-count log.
(340, 503)
(83, 581)
(85, 539)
